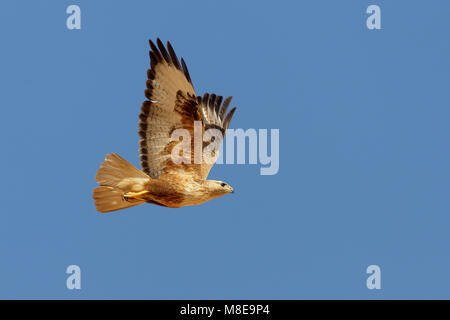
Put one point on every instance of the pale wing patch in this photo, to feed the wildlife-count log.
(158, 117)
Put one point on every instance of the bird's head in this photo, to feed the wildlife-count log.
(219, 188)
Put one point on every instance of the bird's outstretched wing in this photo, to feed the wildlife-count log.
(214, 116)
(172, 104)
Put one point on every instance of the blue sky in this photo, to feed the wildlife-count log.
(364, 150)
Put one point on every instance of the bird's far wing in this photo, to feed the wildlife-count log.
(214, 115)
(167, 80)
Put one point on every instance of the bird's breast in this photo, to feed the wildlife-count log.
(175, 192)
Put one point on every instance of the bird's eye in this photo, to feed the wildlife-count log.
(223, 184)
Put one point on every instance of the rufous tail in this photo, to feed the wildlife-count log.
(116, 178)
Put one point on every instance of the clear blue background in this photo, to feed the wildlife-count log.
(364, 150)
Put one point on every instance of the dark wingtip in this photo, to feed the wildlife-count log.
(173, 56)
(186, 71)
(224, 107)
(162, 54)
(163, 50)
(227, 120)
(218, 105)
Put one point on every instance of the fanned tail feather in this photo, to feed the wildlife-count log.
(109, 199)
(116, 177)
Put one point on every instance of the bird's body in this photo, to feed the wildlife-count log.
(172, 192)
(172, 104)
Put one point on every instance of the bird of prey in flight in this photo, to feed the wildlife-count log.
(171, 104)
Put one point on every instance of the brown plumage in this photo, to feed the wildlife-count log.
(171, 105)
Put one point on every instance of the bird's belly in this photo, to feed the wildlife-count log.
(174, 195)
(176, 201)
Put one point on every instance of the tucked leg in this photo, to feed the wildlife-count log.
(141, 196)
